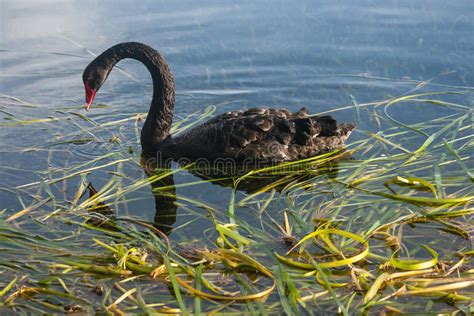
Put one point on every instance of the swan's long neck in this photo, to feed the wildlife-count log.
(158, 122)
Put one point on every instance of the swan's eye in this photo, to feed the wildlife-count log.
(94, 78)
(93, 84)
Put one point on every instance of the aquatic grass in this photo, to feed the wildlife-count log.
(357, 223)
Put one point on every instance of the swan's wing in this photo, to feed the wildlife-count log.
(270, 135)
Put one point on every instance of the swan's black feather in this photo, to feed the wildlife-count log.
(260, 135)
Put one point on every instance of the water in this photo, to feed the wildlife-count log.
(321, 55)
(234, 55)
(325, 55)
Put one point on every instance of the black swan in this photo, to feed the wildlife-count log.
(254, 135)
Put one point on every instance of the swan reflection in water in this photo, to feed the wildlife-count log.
(164, 190)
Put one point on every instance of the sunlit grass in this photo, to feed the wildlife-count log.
(389, 230)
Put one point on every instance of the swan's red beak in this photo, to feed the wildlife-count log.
(90, 94)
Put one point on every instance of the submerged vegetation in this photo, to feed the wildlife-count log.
(388, 229)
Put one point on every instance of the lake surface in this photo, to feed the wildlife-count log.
(325, 55)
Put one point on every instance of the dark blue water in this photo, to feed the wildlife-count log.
(275, 53)
(321, 54)
(326, 55)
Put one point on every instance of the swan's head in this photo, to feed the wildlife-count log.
(93, 78)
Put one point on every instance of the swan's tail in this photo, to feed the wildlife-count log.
(344, 130)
